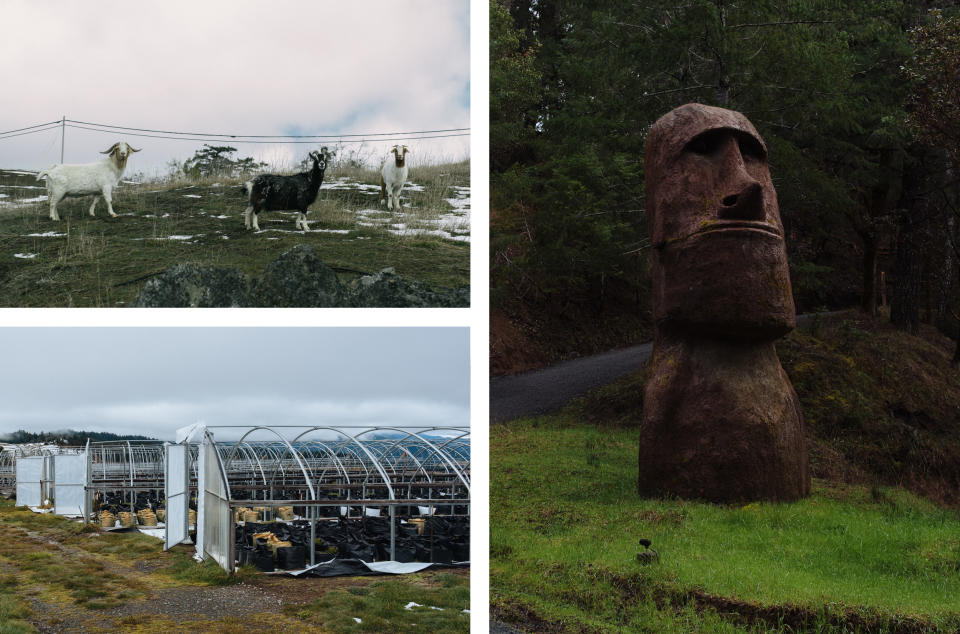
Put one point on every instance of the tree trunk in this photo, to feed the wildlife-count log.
(868, 301)
(907, 292)
(946, 276)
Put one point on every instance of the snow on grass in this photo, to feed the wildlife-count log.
(25, 256)
(48, 234)
(192, 196)
(345, 183)
(17, 202)
(458, 203)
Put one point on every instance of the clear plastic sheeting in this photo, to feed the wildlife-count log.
(324, 475)
(70, 476)
(31, 480)
(214, 515)
(177, 494)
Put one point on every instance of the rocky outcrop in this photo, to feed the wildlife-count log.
(298, 278)
(197, 286)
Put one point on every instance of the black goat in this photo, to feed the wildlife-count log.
(270, 192)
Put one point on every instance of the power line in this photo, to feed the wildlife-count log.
(277, 142)
(269, 136)
(10, 136)
(39, 125)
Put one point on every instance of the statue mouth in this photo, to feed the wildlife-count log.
(740, 226)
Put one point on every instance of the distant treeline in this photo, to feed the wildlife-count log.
(69, 437)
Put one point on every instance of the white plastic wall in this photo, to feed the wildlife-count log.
(216, 523)
(177, 493)
(31, 474)
(70, 475)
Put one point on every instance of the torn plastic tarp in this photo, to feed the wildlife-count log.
(358, 567)
(191, 433)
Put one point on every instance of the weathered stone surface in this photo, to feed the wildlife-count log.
(190, 285)
(386, 289)
(299, 279)
(721, 421)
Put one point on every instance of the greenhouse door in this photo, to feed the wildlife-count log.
(30, 477)
(177, 493)
(217, 525)
(70, 477)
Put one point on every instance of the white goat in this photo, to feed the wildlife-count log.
(393, 176)
(87, 179)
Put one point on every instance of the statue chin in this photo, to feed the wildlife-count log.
(732, 284)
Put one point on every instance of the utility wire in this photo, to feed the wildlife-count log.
(39, 125)
(268, 136)
(314, 142)
(10, 136)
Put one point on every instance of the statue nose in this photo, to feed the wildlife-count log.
(746, 204)
(744, 197)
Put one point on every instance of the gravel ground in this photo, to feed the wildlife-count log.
(211, 603)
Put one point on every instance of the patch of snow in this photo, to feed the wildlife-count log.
(330, 231)
(221, 217)
(22, 187)
(357, 620)
(33, 200)
(412, 605)
(48, 234)
(459, 203)
(412, 187)
(22, 173)
(192, 196)
(25, 256)
(178, 237)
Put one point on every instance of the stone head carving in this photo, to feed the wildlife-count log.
(720, 263)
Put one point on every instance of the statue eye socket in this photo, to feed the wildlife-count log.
(705, 144)
(750, 148)
(710, 142)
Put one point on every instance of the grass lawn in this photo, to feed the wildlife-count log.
(566, 520)
(103, 261)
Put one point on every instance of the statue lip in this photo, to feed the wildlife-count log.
(741, 226)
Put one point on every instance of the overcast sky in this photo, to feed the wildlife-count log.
(151, 381)
(232, 67)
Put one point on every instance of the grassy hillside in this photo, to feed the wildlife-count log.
(875, 548)
(103, 261)
(57, 576)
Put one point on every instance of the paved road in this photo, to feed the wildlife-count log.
(548, 389)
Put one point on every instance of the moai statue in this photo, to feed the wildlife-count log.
(721, 421)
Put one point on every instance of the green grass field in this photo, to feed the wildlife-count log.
(566, 520)
(103, 261)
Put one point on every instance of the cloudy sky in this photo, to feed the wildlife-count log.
(242, 67)
(152, 381)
